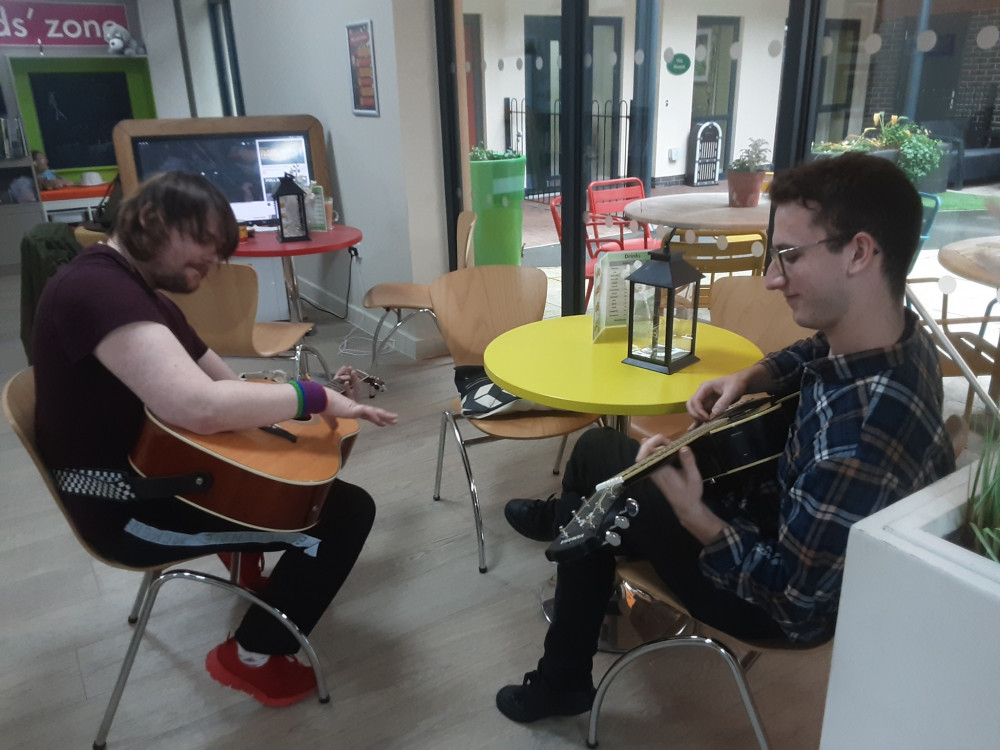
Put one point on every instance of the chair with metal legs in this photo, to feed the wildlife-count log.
(18, 401)
(396, 296)
(223, 311)
(640, 585)
(474, 306)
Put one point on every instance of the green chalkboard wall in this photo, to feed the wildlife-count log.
(70, 106)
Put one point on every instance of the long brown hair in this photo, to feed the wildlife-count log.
(175, 201)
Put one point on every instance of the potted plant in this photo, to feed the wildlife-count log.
(919, 610)
(900, 140)
(745, 174)
(497, 179)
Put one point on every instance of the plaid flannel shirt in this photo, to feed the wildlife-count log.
(868, 432)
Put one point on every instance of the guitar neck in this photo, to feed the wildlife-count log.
(735, 414)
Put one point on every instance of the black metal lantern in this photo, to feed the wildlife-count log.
(290, 201)
(663, 313)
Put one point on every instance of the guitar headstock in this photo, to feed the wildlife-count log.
(594, 524)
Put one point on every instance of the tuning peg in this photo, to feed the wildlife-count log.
(631, 507)
(622, 522)
(613, 539)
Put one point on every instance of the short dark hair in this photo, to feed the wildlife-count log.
(855, 193)
(180, 201)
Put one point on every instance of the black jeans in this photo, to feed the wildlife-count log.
(301, 585)
(585, 585)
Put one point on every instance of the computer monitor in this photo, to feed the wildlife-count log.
(242, 156)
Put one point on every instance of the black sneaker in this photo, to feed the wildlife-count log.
(534, 700)
(534, 519)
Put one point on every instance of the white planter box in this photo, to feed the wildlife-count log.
(916, 661)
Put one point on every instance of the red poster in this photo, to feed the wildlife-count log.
(361, 48)
(53, 24)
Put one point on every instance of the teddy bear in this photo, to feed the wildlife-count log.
(120, 41)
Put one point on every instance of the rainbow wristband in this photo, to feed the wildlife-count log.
(313, 397)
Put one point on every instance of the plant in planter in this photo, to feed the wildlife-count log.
(497, 181)
(896, 138)
(745, 173)
(983, 507)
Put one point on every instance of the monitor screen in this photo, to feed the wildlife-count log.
(246, 167)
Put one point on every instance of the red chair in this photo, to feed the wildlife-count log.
(594, 246)
(607, 199)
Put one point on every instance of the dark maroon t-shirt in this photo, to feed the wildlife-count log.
(85, 416)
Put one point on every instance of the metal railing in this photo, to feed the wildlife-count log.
(535, 133)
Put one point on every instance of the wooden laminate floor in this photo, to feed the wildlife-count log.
(415, 646)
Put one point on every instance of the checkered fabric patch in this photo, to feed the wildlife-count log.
(112, 485)
(481, 397)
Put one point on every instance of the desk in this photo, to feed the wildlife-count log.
(266, 245)
(554, 362)
(976, 259)
(73, 204)
(700, 211)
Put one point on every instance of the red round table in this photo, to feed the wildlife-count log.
(266, 245)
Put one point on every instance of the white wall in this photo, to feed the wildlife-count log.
(387, 170)
(757, 84)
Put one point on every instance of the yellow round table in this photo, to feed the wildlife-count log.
(554, 362)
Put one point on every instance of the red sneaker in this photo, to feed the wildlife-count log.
(282, 681)
(251, 570)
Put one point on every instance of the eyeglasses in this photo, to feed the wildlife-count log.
(776, 255)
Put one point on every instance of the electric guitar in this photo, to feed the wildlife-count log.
(274, 478)
(748, 434)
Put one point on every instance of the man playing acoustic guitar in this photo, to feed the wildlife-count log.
(766, 559)
(107, 343)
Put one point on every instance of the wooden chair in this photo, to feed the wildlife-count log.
(396, 296)
(962, 344)
(742, 305)
(18, 400)
(474, 306)
(223, 311)
(720, 254)
(642, 586)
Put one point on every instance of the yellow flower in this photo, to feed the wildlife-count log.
(877, 117)
(894, 120)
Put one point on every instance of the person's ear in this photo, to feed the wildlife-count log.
(862, 250)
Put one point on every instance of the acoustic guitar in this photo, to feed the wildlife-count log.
(747, 435)
(274, 478)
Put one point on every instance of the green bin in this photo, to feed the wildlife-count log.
(497, 193)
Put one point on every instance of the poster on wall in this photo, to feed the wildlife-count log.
(361, 48)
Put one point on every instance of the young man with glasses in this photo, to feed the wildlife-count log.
(766, 560)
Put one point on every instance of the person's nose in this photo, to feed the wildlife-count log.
(773, 277)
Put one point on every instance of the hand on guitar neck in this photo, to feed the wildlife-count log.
(747, 435)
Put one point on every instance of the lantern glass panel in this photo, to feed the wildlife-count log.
(649, 323)
(291, 215)
(682, 343)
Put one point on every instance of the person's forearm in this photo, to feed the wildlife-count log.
(757, 379)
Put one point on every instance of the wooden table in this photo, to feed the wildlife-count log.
(266, 245)
(554, 362)
(976, 259)
(701, 210)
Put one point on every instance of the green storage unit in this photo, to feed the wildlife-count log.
(497, 193)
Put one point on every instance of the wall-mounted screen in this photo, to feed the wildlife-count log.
(245, 168)
(242, 156)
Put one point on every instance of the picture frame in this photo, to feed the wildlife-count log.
(701, 68)
(364, 84)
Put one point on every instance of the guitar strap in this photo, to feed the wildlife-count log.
(120, 486)
(308, 544)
